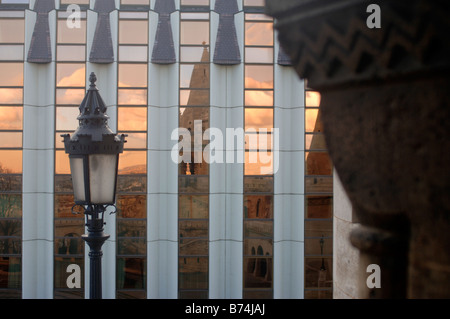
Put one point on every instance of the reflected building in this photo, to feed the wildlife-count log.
(247, 226)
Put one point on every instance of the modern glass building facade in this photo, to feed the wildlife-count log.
(224, 187)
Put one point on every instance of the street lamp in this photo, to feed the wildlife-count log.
(94, 156)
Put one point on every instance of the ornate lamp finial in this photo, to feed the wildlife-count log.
(92, 79)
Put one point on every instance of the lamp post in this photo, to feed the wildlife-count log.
(94, 156)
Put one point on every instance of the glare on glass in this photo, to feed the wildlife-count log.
(258, 55)
(132, 119)
(132, 75)
(258, 33)
(11, 96)
(132, 53)
(132, 96)
(133, 32)
(312, 121)
(12, 30)
(69, 96)
(66, 118)
(13, 52)
(71, 35)
(259, 76)
(10, 139)
(11, 74)
(70, 53)
(194, 32)
(258, 98)
(258, 118)
(312, 98)
(70, 74)
(11, 117)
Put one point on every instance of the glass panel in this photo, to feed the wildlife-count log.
(66, 118)
(258, 228)
(194, 97)
(131, 246)
(10, 227)
(75, 1)
(259, 76)
(62, 163)
(318, 272)
(189, 116)
(131, 206)
(193, 229)
(196, 165)
(70, 74)
(63, 183)
(131, 228)
(193, 247)
(256, 119)
(73, 244)
(133, 162)
(133, 32)
(10, 162)
(11, 96)
(11, 274)
(12, 74)
(258, 247)
(259, 3)
(102, 177)
(71, 35)
(10, 183)
(136, 140)
(319, 206)
(193, 272)
(257, 16)
(319, 184)
(132, 97)
(193, 184)
(132, 119)
(262, 141)
(70, 96)
(194, 15)
(258, 184)
(11, 52)
(193, 206)
(69, 227)
(258, 98)
(258, 33)
(194, 76)
(258, 163)
(132, 53)
(318, 246)
(132, 75)
(193, 54)
(258, 272)
(131, 273)
(258, 294)
(312, 121)
(319, 293)
(195, 2)
(12, 30)
(318, 228)
(318, 163)
(10, 139)
(60, 271)
(131, 183)
(312, 98)
(11, 117)
(71, 53)
(10, 206)
(315, 142)
(258, 206)
(258, 55)
(131, 14)
(130, 294)
(194, 32)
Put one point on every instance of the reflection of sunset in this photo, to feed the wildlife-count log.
(11, 96)
(69, 96)
(258, 98)
(258, 118)
(11, 161)
(71, 75)
(258, 33)
(12, 74)
(133, 162)
(132, 75)
(11, 117)
(132, 119)
(312, 98)
(258, 163)
(132, 97)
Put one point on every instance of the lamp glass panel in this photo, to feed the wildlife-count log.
(102, 178)
(77, 169)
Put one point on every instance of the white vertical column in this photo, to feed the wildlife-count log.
(226, 175)
(288, 183)
(38, 169)
(162, 199)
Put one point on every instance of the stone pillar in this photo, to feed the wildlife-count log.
(385, 106)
